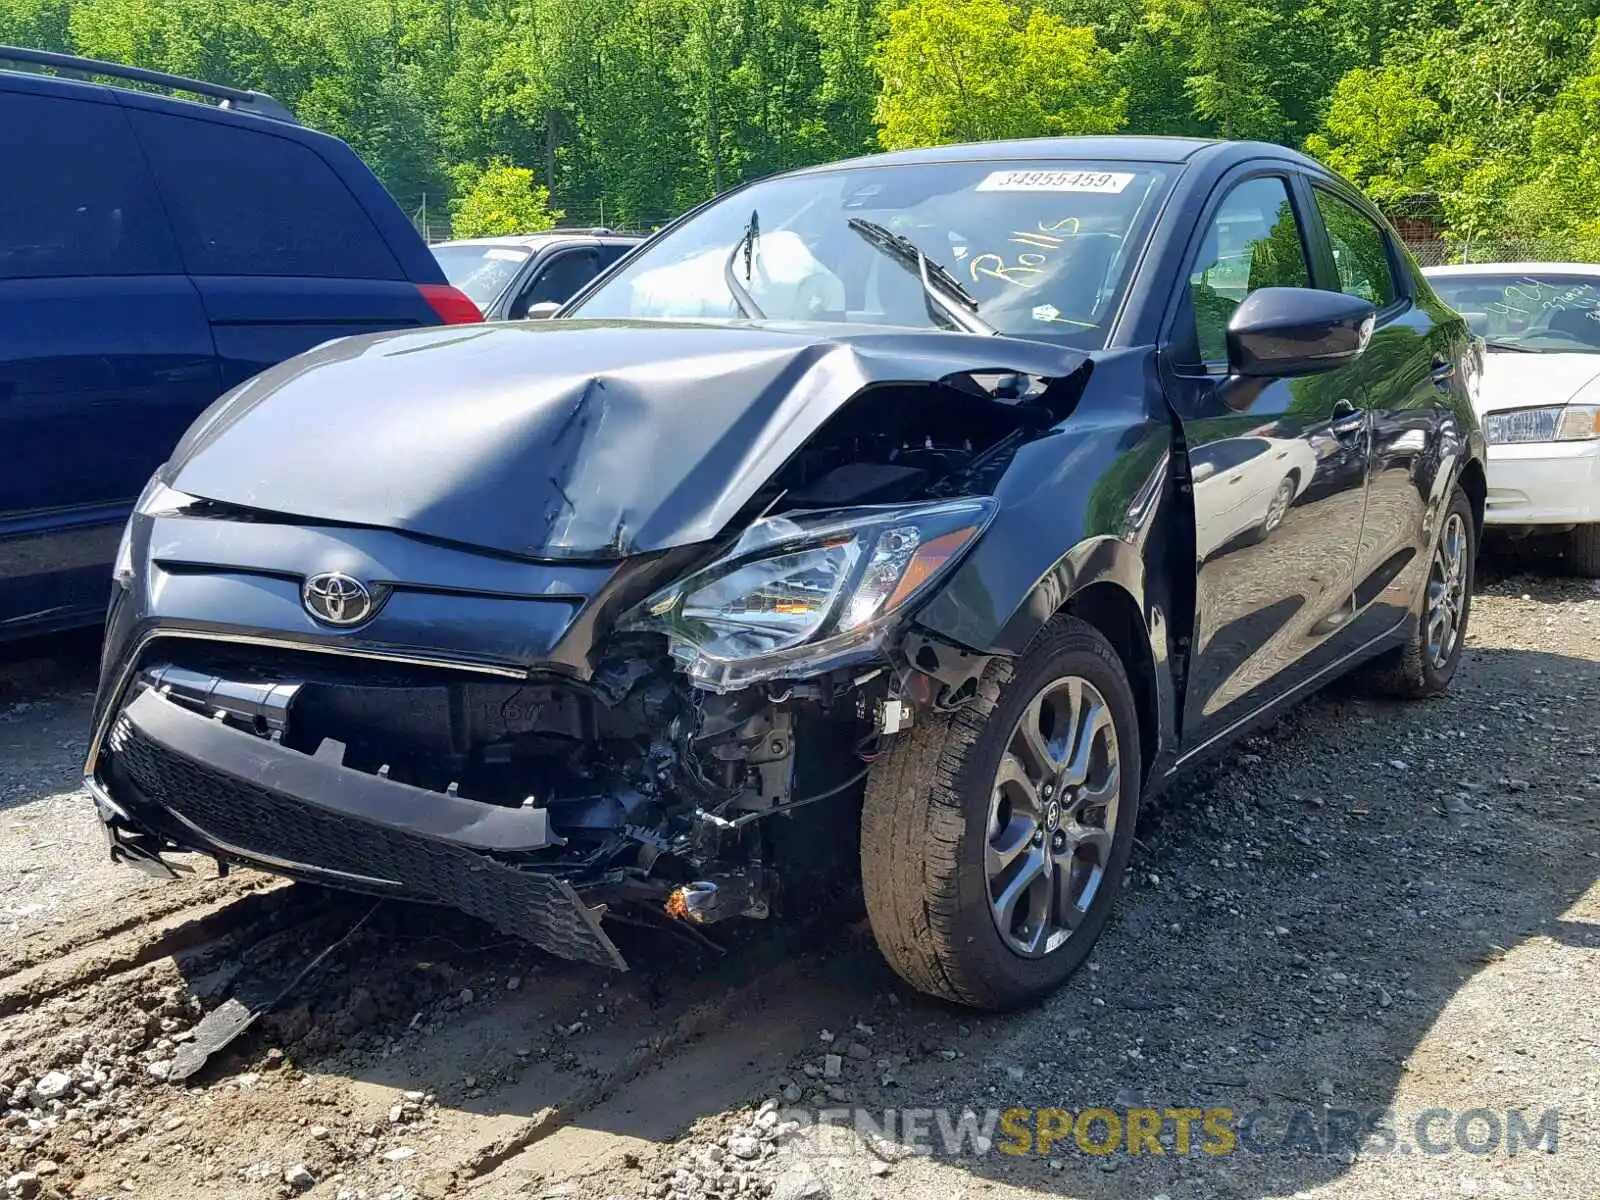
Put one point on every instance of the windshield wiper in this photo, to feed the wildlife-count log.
(942, 289)
(1494, 345)
(741, 294)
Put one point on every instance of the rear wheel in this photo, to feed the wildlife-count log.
(1583, 551)
(1426, 663)
(994, 839)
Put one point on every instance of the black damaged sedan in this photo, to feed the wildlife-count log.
(913, 516)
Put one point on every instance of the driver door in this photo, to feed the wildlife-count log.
(1276, 537)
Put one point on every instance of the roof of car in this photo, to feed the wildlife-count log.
(1129, 148)
(86, 74)
(1514, 268)
(532, 241)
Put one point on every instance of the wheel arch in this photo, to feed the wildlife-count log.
(1104, 582)
(1475, 483)
(1112, 610)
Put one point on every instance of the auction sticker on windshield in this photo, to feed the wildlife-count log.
(1056, 181)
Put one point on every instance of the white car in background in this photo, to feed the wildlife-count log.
(1245, 486)
(1539, 398)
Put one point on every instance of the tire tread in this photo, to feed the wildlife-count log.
(913, 821)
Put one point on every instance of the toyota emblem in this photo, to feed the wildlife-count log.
(334, 598)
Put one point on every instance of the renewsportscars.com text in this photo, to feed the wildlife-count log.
(1178, 1130)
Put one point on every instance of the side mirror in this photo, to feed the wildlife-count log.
(542, 311)
(1278, 332)
(1202, 471)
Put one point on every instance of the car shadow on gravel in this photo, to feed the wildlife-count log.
(46, 692)
(1298, 921)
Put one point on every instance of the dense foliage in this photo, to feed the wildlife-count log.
(1479, 117)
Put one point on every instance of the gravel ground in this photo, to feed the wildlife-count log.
(1369, 907)
(49, 840)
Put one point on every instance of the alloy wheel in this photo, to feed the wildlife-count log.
(1278, 506)
(1447, 591)
(1052, 816)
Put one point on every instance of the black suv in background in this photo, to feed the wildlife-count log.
(510, 277)
(154, 252)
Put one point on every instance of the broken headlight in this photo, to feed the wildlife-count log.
(800, 594)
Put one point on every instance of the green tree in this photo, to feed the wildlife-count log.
(841, 119)
(1477, 113)
(1560, 201)
(972, 70)
(1448, 119)
(1230, 80)
(501, 199)
(1380, 128)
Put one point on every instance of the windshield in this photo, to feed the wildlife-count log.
(482, 272)
(1043, 248)
(1539, 313)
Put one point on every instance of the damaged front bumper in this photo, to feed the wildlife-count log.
(173, 776)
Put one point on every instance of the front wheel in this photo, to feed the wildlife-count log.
(1426, 663)
(994, 839)
(1583, 551)
(1278, 506)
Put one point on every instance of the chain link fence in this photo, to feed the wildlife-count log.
(1437, 252)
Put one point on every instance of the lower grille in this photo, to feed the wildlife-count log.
(262, 825)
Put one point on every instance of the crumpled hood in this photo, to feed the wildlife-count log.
(1515, 380)
(556, 439)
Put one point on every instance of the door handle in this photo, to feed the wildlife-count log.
(1444, 370)
(1348, 420)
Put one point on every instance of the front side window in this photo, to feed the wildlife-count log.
(1360, 253)
(1549, 314)
(559, 279)
(1252, 242)
(1044, 248)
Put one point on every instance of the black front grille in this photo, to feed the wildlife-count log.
(270, 828)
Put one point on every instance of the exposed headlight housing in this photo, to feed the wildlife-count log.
(798, 595)
(1558, 423)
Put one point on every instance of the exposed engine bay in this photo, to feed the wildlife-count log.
(896, 443)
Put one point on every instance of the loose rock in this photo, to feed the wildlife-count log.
(51, 1085)
(298, 1177)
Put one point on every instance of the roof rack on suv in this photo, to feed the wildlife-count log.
(257, 103)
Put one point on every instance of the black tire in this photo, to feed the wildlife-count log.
(1286, 489)
(1407, 671)
(1583, 551)
(924, 829)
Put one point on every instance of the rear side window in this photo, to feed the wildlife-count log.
(249, 203)
(1359, 251)
(76, 198)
